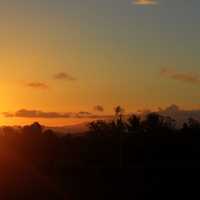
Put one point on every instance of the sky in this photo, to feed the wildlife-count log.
(67, 61)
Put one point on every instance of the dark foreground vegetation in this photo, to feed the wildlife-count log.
(127, 159)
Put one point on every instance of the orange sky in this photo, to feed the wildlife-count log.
(64, 56)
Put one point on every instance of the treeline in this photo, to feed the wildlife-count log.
(36, 163)
(121, 142)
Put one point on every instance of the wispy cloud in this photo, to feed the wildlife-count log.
(145, 2)
(99, 108)
(37, 85)
(63, 76)
(35, 114)
(25, 113)
(181, 76)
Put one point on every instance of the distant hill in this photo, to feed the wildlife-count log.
(71, 129)
(68, 129)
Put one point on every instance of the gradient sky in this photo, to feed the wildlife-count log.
(70, 55)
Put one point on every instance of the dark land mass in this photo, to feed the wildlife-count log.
(125, 159)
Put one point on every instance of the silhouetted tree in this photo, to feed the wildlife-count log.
(33, 129)
(193, 124)
(119, 123)
(153, 121)
(100, 127)
(185, 127)
(119, 111)
(9, 131)
(134, 123)
(50, 158)
(169, 123)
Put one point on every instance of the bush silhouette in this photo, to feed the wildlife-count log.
(50, 165)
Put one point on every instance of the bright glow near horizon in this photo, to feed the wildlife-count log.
(68, 56)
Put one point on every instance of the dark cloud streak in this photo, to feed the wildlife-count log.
(181, 76)
(25, 113)
(63, 76)
(37, 85)
(99, 108)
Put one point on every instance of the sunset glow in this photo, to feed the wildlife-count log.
(58, 57)
(99, 99)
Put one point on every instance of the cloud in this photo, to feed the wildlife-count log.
(25, 113)
(180, 115)
(63, 76)
(37, 85)
(99, 108)
(175, 112)
(84, 114)
(181, 76)
(36, 114)
(145, 2)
